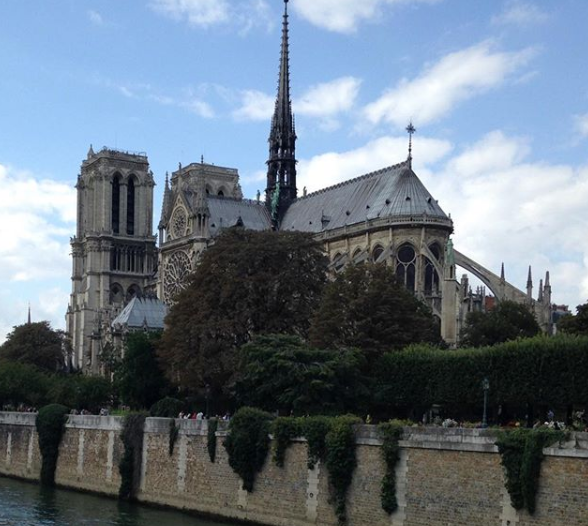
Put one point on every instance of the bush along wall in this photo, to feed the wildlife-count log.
(211, 438)
(248, 443)
(130, 463)
(391, 433)
(521, 451)
(330, 440)
(527, 370)
(50, 425)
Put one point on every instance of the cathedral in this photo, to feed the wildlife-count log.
(124, 276)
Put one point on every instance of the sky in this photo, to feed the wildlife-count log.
(497, 89)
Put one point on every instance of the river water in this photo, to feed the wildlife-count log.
(27, 504)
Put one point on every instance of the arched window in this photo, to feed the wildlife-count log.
(431, 278)
(116, 293)
(406, 266)
(377, 252)
(132, 291)
(115, 205)
(131, 206)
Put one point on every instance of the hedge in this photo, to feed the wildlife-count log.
(543, 370)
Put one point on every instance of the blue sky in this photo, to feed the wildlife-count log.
(498, 91)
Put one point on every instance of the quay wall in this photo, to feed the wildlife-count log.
(445, 477)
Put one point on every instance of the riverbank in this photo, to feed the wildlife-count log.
(444, 476)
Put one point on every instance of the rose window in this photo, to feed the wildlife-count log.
(179, 223)
(176, 271)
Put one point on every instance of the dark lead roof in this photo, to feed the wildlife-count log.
(226, 212)
(395, 192)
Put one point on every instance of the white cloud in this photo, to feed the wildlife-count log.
(439, 88)
(521, 14)
(255, 106)
(581, 124)
(201, 13)
(95, 17)
(199, 107)
(244, 15)
(507, 208)
(329, 98)
(344, 16)
(324, 100)
(334, 167)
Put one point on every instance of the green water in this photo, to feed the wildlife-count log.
(25, 504)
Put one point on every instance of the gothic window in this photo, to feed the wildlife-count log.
(132, 291)
(175, 272)
(406, 266)
(377, 252)
(431, 275)
(221, 193)
(131, 206)
(115, 205)
(116, 294)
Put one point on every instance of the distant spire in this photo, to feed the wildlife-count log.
(282, 139)
(29, 315)
(502, 271)
(411, 131)
(202, 159)
(547, 284)
(529, 278)
(530, 286)
(540, 295)
(91, 152)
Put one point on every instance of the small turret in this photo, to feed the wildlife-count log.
(529, 287)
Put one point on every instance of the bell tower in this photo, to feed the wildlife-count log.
(113, 251)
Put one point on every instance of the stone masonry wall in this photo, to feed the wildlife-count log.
(445, 477)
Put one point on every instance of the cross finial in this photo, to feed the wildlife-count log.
(411, 131)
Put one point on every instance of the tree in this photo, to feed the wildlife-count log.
(247, 283)
(139, 378)
(36, 344)
(577, 324)
(508, 320)
(281, 372)
(366, 308)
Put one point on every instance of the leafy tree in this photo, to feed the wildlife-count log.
(577, 324)
(507, 321)
(280, 372)
(247, 283)
(139, 378)
(36, 344)
(23, 384)
(365, 307)
(81, 392)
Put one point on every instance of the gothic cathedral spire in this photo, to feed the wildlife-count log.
(281, 173)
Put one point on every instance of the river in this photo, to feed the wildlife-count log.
(27, 504)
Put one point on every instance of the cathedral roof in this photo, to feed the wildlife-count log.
(147, 313)
(226, 212)
(394, 193)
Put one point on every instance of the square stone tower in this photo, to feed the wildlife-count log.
(114, 251)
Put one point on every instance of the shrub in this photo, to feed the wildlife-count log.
(247, 443)
(167, 407)
(284, 429)
(211, 438)
(391, 432)
(50, 428)
(130, 463)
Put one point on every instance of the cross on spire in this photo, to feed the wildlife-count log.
(411, 131)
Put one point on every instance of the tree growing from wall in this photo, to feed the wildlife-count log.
(247, 283)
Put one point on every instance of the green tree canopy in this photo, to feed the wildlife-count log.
(36, 344)
(506, 321)
(280, 372)
(577, 324)
(247, 283)
(139, 377)
(365, 308)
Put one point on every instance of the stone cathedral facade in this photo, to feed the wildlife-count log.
(121, 281)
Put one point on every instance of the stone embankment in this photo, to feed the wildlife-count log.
(444, 476)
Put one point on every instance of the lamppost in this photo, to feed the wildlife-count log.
(207, 395)
(486, 388)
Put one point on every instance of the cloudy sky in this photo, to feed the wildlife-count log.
(498, 91)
